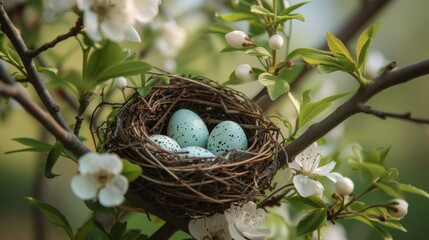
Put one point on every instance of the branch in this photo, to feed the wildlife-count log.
(71, 33)
(68, 139)
(384, 115)
(356, 22)
(33, 77)
(353, 105)
(165, 232)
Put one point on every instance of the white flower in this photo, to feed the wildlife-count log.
(54, 8)
(344, 186)
(172, 39)
(244, 72)
(99, 176)
(376, 61)
(115, 18)
(276, 42)
(213, 227)
(146, 10)
(236, 39)
(332, 232)
(306, 166)
(398, 208)
(120, 83)
(244, 220)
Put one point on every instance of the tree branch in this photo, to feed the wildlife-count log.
(352, 106)
(165, 232)
(71, 33)
(354, 25)
(384, 115)
(33, 77)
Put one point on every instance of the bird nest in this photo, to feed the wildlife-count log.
(188, 186)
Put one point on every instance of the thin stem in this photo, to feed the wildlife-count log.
(384, 115)
(83, 105)
(71, 33)
(338, 212)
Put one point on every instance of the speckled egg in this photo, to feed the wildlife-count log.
(188, 129)
(226, 136)
(165, 142)
(194, 151)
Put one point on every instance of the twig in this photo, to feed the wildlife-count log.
(71, 33)
(355, 23)
(83, 105)
(165, 232)
(351, 107)
(384, 115)
(33, 77)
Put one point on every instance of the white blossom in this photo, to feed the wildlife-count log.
(54, 8)
(99, 177)
(344, 186)
(120, 83)
(276, 42)
(332, 232)
(400, 208)
(244, 72)
(306, 167)
(213, 227)
(376, 61)
(236, 39)
(115, 18)
(244, 220)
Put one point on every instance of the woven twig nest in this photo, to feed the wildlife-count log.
(194, 186)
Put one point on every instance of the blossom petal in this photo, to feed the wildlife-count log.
(324, 170)
(306, 186)
(197, 228)
(132, 35)
(113, 30)
(258, 234)
(120, 182)
(84, 187)
(90, 163)
(334, 176)
(146, 10)
(110, 196)
(234, 233)
(90, 21)
(296, 165)
(111, 163)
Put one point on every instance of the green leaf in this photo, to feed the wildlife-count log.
(394, 224)
(144, 91)
(383, 233)
(293, 7)
(260, 10)
(411, 189)
(391, 188)
(310, 110)
(34, 144)
(306, 52)
(235, 17)
(52, 158)
(85, 229)
(281, 19)
(306, 204)
(100, 60)
(338, 48)
(311, 222)
(50, 70)
(129, 54)
(258, 52)
(374, 171)
(323, 60)
(131, 171)
(54, 216)
(364, 43)
(118, 230)
(267, 79)
(219, 28)
(128, 68)
(324, 69)
(279, 88)
(134, 234)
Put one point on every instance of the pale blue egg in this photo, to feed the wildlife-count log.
(226, 136)
(165, 142)
(194, 151)
(188, 129)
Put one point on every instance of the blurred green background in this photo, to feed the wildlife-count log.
(403, 37)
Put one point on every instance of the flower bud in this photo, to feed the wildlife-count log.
(244, 72)
(344, 186)
(398, 208)
(236, 39)
(276, 42)
(121, 82)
